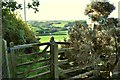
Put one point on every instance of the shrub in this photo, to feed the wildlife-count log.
(15, 30)
(97, 46)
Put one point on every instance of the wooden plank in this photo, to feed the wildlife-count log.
(25, 46)
(29, 45)
(13, 61)
(84, 75)
(42, 44)
(66, 43)
(39, 75)
(38, 53)
(73, 69)
(70, 70)
(39, 68)
(3, 61)
(5, 66)
(54, 59)
(1, 37)
(30, 62)
(10, 65)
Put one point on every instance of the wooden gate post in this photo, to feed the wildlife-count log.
(5, 65)
(12, 58)
(54, 59)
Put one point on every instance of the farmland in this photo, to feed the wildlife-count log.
(46, 29)
(57, 38)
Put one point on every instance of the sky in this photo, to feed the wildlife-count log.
(61, 10)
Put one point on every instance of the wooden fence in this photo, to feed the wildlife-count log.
(51, 61)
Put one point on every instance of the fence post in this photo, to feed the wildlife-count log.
(54, 59)
(13, 61)
(6, 73)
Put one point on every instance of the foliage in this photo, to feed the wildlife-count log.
(14, 29)
(91, 47)
(98, 46)
(99, 9)
(12, 6)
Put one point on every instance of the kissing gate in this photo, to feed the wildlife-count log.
(21, 62)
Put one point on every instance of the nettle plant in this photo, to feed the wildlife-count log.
(98, 45)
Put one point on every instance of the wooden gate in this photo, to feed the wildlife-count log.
(45, 63)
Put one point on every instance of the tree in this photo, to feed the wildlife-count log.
(98, 46)
(14, 29)
(12, 6)
(96, 10)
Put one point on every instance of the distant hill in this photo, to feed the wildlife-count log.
(48, 27)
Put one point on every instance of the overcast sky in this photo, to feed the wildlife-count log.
(61, 10)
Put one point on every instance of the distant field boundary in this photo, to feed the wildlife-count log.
(49, 34)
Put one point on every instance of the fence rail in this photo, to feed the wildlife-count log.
(28, 63)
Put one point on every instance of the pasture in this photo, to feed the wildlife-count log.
(57, 38)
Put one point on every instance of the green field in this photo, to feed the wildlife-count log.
(56, 37)
(61, 32)
(60, 25)
(59, 35)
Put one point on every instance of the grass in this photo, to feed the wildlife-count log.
(56, 37)
(60, 25)
(61, 32)
(26, 68)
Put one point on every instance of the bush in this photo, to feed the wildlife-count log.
(97, 47)
(15, 30)
(99, 44)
